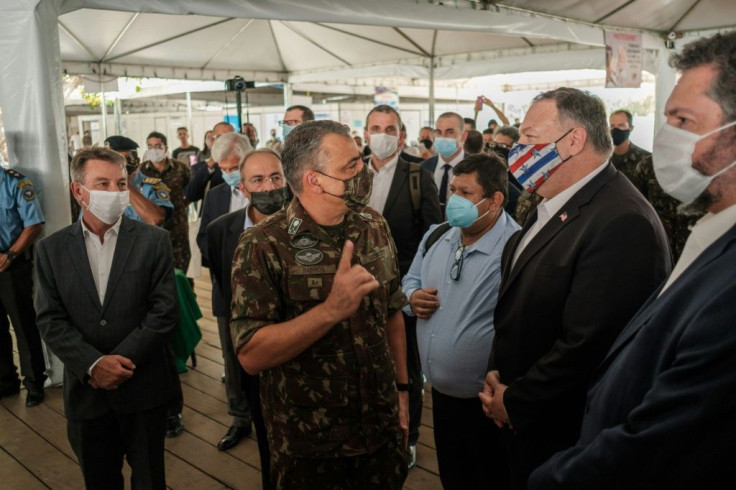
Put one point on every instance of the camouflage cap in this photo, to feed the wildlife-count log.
(121, 143)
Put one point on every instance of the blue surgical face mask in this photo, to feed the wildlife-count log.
(445, 146)
(462, 212)
(231, 178)
(286, 129)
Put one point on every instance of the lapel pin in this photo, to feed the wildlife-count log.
(563, 216)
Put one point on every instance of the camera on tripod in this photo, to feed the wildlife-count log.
(238, 84)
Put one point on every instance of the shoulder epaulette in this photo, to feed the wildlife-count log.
(14, 173)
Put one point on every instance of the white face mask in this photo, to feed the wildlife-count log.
(673, 162)
(155, 154)
(107, 206)
(383, 145)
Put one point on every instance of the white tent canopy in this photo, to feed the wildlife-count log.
(300, 41)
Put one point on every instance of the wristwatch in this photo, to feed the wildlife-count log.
(404, 386)
(11, 256)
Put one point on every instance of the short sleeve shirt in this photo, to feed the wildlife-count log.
(19, 207)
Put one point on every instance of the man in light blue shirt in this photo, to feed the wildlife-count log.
(452, 287)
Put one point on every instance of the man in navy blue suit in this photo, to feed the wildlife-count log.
(661, 410)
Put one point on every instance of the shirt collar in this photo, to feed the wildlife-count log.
(388, 167)
(711, 227)
(489, 241)
(115, 229)
(549, 207)
(459, 158)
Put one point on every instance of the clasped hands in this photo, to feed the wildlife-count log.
(492, 400)
(111, 371)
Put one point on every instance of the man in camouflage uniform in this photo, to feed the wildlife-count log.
(175, 175)
(626, 155)
(676, 224)
(317, 311)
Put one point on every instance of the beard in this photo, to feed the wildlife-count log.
(722, 150)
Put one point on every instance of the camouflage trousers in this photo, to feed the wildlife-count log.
(385, 469)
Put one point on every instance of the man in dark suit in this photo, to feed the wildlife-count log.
(106, 302)
(229, 150)
(207, 172)
(409, 214)
(584, 262)
(263, 183)
(661, 412)
(448, 141)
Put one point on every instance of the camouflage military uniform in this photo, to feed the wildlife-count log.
(175, 176)
(626, 163)
(525, 205)
(335, 404)
(676, 225)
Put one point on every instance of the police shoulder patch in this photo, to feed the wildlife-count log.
(163, 195)
(28, 193)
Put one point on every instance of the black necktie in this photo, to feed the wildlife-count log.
(443, 184)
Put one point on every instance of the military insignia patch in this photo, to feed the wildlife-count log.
(13, 173)
(314, 282)
(163, 195)
(294, 225)
(28, 193)
(309, 256)
(151, 180)
(305, 240)
(366, 215)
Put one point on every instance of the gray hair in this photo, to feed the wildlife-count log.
(509, 131)
(582, 109)
(259, 151)
(719, 50)
(229, 143)
(303, 149)
(77, 169)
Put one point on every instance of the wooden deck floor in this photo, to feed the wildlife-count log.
(35, 452)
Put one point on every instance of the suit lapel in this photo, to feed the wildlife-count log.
(126, 240)
(652, 304)
(234, 231)
(567, 214)
(397, 184)
(78, 253)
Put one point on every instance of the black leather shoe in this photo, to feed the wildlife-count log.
(233, 437)
(174, 425)
(34, 398)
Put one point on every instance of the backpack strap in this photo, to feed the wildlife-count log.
(435, 236)
(415, 187)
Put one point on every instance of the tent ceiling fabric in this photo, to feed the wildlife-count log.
(280, 39)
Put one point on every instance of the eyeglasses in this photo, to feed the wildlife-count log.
(457, 267)
(276, 180)
(289, 122)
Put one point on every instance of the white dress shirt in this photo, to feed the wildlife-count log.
(382, 183)
(100, 255)
(707, 230)
(248, 223)
(439, 171)
(547, 208)
(237, 199)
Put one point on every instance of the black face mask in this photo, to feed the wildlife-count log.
(500, 151)
(619, 135)
(131, 164)
(427, 143)
(269, 202)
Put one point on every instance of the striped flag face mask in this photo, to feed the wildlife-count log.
(532, 165)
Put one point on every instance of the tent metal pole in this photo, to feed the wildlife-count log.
(103, 104)
(189, 112)
(118, 119)
(431, 91)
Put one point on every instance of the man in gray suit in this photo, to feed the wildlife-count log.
(106, 301)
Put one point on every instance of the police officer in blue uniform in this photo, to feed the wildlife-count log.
(21, 222)
(150, 201)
